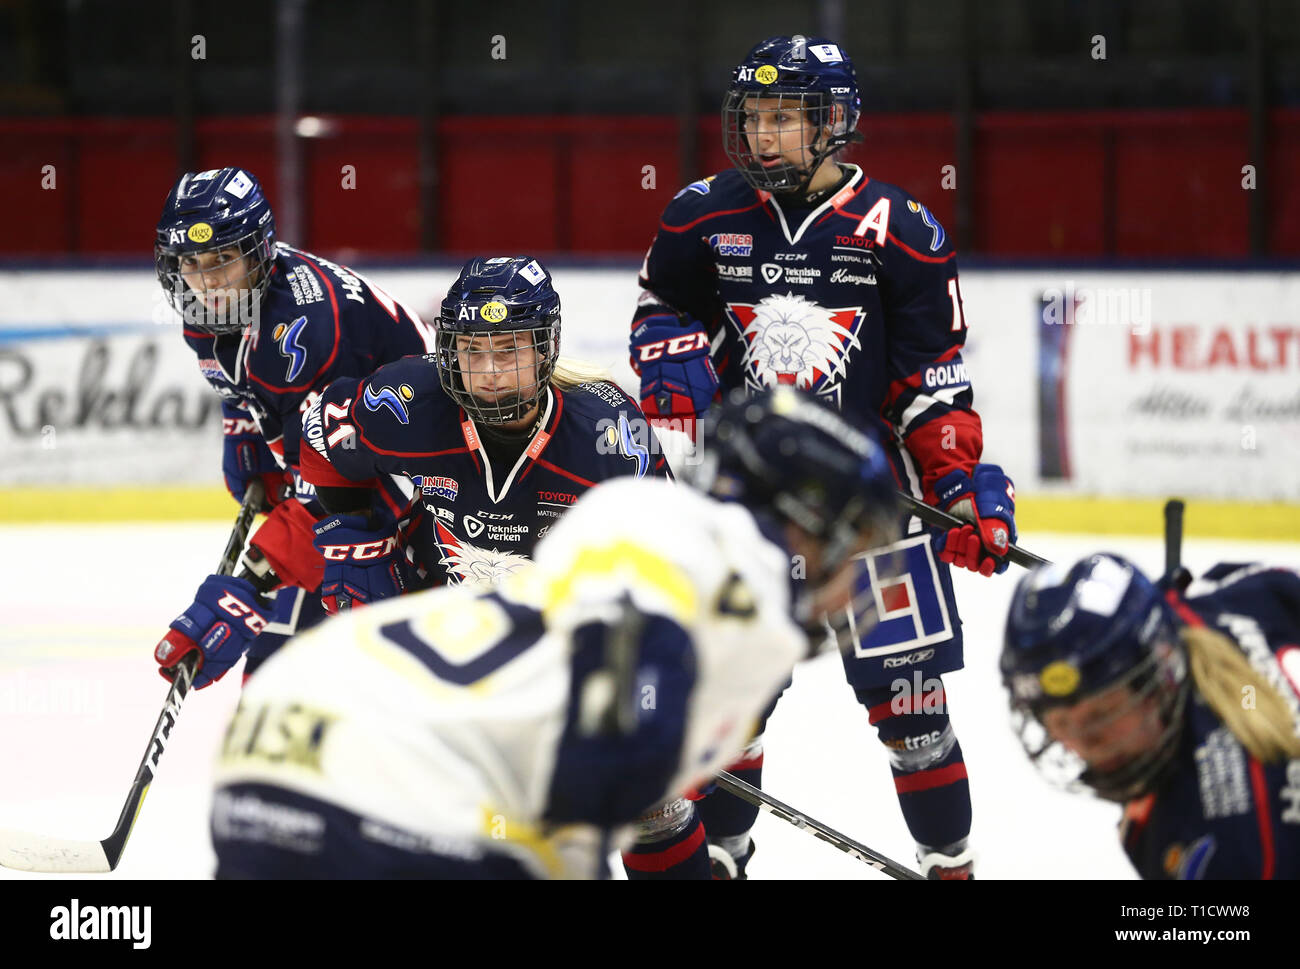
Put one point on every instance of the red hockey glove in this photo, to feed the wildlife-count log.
(986, 499)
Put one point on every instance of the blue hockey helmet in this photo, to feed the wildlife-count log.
(1100, 641)
(498, 337)
(215, 248)
(785, 455)
(811, 79)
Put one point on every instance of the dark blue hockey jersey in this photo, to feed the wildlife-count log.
(317, 321)
(856, 300)
(1219, 812)
(467, 518)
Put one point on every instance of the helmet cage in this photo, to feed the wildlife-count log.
(186, 288)
(817, 108)
(1160, 676)
(464, 353)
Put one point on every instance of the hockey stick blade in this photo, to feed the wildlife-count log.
(941, 519)
(854, 849)
(33, 852)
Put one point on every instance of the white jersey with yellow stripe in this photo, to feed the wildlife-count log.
(444, 714)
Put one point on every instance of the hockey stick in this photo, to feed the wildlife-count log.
(854, 849)
(941, 519)
(34, 852)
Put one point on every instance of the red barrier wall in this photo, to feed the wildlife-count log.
(1090, 184)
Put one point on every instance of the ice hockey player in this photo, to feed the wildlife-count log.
(490, 439)
(271, 326)
(518, 730)
(1185, 709)
(793, 268)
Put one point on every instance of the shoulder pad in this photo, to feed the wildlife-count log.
(726, 190)
(401, 408)
(910, 222)
(605, 394)
(295, 345)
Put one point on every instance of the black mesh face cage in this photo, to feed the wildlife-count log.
(497, 377)
(218, 296)
(1160, 677)
(761, 130)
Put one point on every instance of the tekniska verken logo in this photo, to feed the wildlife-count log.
(102, 923)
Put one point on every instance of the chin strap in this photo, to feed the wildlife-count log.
(502, 436)
(801, 197)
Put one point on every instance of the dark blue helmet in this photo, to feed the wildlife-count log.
(215, 248)
(809, 79)
(785, 455)
(498, 337)
(1074, 635)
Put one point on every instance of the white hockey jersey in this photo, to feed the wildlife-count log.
(444, 714)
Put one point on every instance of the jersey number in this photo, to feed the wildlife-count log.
(336, 412)
(958, 321)
(465, 645)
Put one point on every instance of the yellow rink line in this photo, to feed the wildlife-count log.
(1203, 517)
(1276, 521)
(1084, 515)
(162, 504)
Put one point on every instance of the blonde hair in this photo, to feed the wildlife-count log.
(569, 373)
(1222, 674)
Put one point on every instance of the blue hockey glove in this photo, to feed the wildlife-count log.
(221, 623)
(672, 356)
(245, 456)
(986, 499)
(363, 562)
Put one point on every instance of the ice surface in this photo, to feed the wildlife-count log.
(84, 605)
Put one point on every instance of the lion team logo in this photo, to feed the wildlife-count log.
(793, 341)
(466, 563)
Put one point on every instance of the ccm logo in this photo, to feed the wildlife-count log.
(236, 608)
(237, 425)
(359, 553)
(922, 654)
(678, 344)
